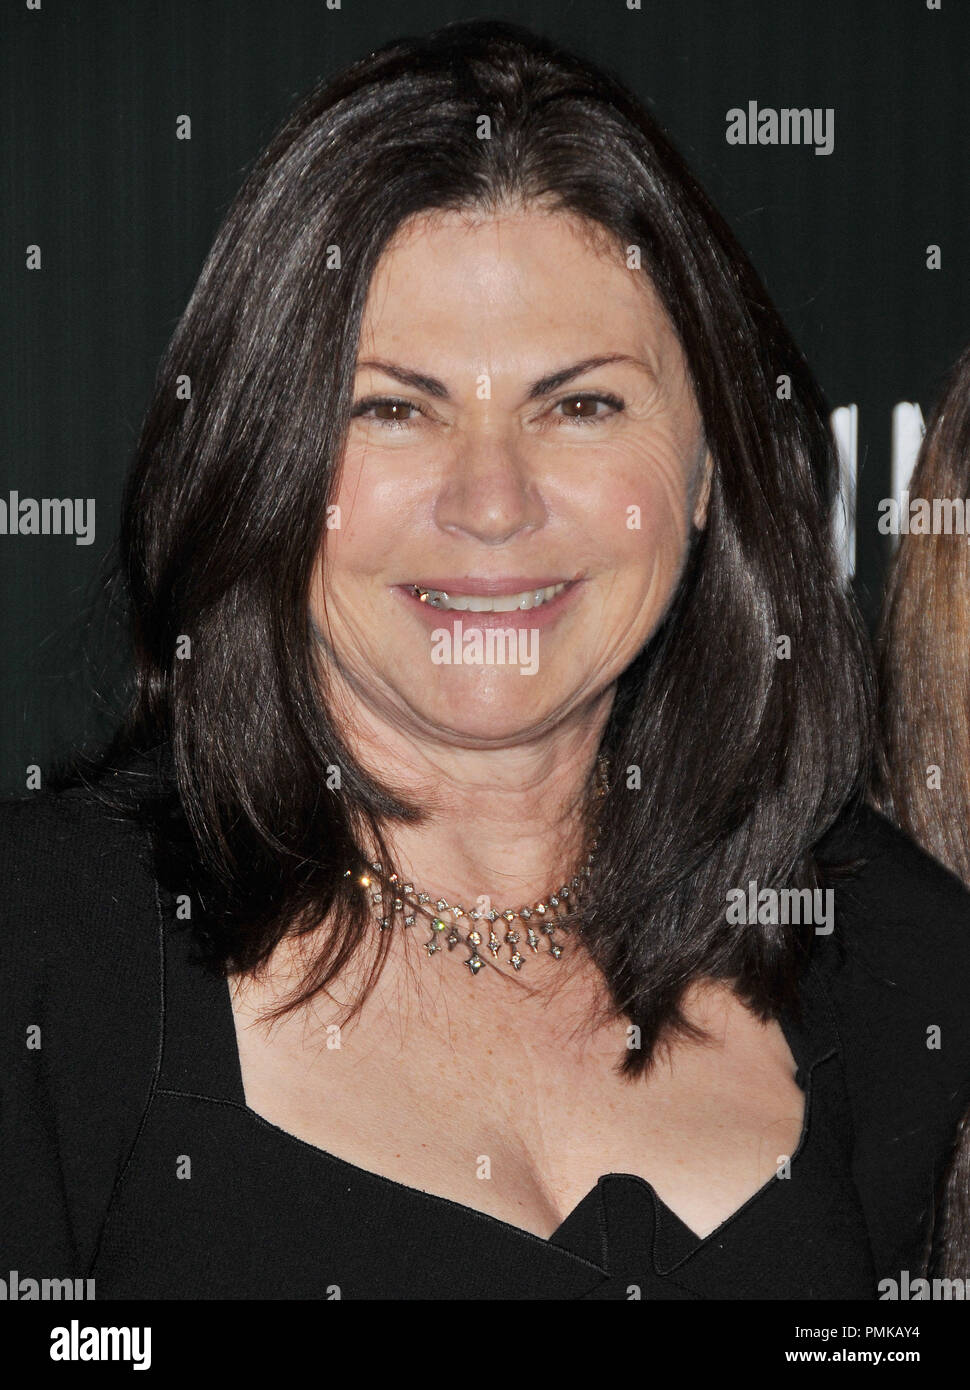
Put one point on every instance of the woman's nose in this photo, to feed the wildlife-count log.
(489, 491)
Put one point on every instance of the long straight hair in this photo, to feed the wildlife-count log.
(739, 731)
(923, 651)
(923, 776)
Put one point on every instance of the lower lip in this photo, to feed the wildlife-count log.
(543, 616)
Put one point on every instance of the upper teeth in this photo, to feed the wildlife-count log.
(478, 603)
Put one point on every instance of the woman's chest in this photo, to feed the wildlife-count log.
(386, 1198)
(522, 1128)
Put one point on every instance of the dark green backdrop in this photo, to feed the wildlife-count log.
(124, 213)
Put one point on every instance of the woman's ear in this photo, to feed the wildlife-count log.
(703, 492)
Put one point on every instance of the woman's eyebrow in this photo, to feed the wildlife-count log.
(543, 387)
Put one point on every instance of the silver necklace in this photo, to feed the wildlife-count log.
(451, 923)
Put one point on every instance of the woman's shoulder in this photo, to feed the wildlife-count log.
(80, 920)
(896, 971)
(80, 941)
(900, 914)
(75, 868)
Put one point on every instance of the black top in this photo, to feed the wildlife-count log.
(129, 1154)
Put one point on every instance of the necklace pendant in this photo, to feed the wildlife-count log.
(494, 945)
(533, 940)
(474, 961)
(516, 961)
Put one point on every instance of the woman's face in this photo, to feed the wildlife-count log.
(523, 419)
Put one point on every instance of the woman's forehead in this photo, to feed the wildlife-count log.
(468, 280)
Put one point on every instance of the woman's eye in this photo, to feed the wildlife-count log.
(388, 412)
(584, 409)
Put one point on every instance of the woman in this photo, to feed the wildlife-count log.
(924, 782)
(479, 564)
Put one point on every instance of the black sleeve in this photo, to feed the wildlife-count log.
(897, 971)
(80, 1003)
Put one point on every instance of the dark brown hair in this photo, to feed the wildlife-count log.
(746, 758)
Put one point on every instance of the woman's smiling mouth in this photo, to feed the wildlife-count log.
(494, 602)
(524, 600)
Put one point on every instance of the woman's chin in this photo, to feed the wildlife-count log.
(505, 717)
